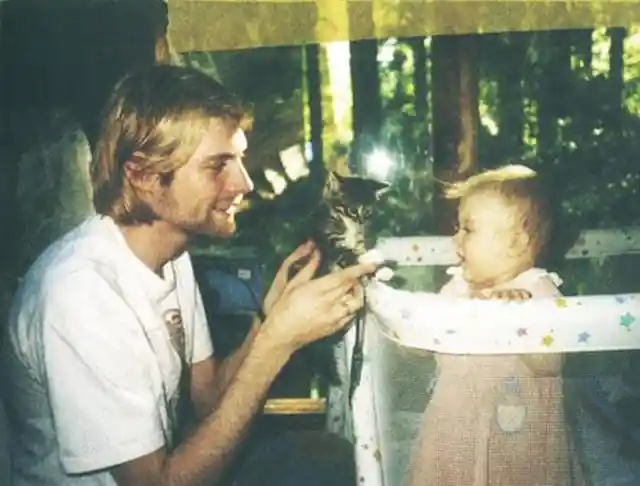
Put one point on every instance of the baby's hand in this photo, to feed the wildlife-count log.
(385, 272)
(517, 295)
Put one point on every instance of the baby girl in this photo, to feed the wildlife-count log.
(497, 420)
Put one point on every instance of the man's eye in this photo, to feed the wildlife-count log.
(218, 167)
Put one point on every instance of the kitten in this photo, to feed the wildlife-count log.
(347, 205)
(340, 218)
(334, 215)
(339, 233)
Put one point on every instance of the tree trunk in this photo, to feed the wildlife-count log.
(420, 86)
(584, 49)
(554, 88)
(510, 95)
(616, 73)
(455, 117)
(314, 90)
(367, 105)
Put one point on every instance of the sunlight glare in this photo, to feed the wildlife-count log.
(278, 182)
(379, 165)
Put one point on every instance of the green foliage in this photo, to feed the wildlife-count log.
(549, 98)
(592, 159)
(271, 79)
(535, 87)
(406, 209)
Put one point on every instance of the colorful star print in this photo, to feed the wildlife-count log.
(561, 302)
(626, 320)
(583, 337)
(522, 332)
(547, 340)
(451, 331)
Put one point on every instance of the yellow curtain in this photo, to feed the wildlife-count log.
(211, 25)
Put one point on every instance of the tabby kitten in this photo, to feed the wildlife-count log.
(339, 233)
(346, 206)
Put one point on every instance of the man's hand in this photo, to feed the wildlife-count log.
(306, 309)
(517, 295)
(281, 279)
(309, 309)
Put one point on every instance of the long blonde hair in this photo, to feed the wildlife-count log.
(155, 118)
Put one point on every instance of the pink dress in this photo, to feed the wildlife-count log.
(490, 421)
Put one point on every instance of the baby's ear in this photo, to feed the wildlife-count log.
(521, 243)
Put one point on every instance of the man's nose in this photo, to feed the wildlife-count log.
(242, 183)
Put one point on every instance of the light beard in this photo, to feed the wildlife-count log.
(217, 226)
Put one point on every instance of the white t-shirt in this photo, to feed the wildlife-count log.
(91, 371)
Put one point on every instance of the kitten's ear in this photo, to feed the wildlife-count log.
(333, 183)
(380, 188)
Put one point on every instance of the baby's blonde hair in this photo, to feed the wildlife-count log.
(520, 188)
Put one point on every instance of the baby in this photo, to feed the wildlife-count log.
(497, 420)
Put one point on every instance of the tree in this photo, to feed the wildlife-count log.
(455, 117)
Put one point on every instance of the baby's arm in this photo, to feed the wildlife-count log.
(544, 364)
(538, 364)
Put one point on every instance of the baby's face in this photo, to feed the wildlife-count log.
(489, 240)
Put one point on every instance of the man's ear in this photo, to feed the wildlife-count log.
(141, 180)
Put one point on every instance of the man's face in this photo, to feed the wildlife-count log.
(204, 194)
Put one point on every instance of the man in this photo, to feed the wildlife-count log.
(107, 336)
